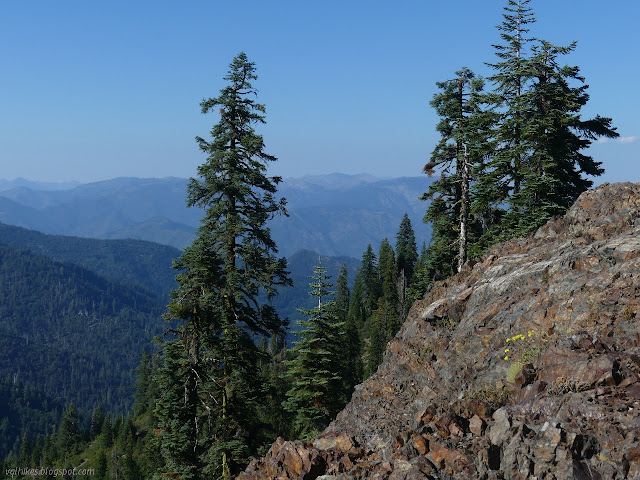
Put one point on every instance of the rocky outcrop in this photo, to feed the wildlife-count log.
(446, 404)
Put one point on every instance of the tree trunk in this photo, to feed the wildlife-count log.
(464, 209)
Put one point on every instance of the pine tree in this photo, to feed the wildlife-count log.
(407, 256)
(315, 370)
(341, 299)
(231, 262)
(553, 177)
(385, 321)
(36, 452)
(503, 176)
(96, 421)
(101, 470)
(366, 291)
(357, 314)
(463, 127)
(272, 369)
(69, 433)
(370, 281)
(536, 170)
(26, 450)
(106, 432)
(352, 349)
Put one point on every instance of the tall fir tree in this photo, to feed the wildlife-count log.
(554, 174)
(407, 256)
(276, 421)
(463, 145)
(503, 177)
(316, 369)
(352, 349)
(69, 435)
(370, 281)
(366, 290)
(385, 321)
(232, 261)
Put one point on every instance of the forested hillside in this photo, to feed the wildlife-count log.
(70, 333)
(133, 262)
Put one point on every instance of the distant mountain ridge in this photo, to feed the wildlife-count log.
(334, 214)
(23, 182)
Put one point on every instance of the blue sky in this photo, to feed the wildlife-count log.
(96, 90)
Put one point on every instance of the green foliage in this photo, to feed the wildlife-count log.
(208, 409)
(521, 349)
(69, 433)
(146, 265)
(386, 319)
(74, 334)
(406, 249)
(352, 352)
(524, 142)
(407, 258)
(463, 127)
(292, 298)
(316, 370)
(25, 410)
(554, 174)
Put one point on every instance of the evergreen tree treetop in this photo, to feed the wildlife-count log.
(238, 198)
(517, 15)
(316, 369)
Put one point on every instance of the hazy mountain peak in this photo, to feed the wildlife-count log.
(333, 180)
(34, 185)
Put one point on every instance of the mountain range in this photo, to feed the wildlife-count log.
(334, 214)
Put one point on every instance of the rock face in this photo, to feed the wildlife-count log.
(441, 406)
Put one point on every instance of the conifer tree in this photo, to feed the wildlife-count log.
(36, 452)
(96, 421)
(463, 127)
(272, 369)
(385, 321)
(315, 369)
(231, 262)
(366, 290)
(341, 299)
(106, 432)
(357, 314)
(407, 256)
(406, 250)
(69, 433)
(352, 349)
(101, 470)
(553, 176)
(26, 450)
(536, 169)
(503, 176)
(370, 281)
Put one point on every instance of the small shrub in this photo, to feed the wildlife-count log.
(447, 323)
(520, 350)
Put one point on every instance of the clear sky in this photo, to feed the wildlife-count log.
(92, 90)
